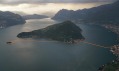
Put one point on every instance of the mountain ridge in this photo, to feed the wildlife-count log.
(108, 13)
(9, 19)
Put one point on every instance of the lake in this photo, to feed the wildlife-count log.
(47, 55)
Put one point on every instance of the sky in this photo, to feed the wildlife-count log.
(51, 1)
(47, 7)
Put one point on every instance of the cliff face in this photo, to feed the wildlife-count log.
(66, 32)
(108, 13)
(9, 19)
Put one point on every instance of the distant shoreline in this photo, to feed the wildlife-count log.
(114, 49)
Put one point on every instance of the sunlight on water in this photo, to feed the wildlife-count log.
(42, 23)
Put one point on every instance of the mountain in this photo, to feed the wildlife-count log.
(64, 14)
(34, 16)
(103, 14)
(9, 19)
(65, 31)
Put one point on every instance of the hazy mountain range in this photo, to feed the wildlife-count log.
(104, 14)
(34, 16)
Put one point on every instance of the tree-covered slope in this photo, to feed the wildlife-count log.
(66, 32)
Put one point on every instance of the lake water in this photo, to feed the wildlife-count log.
(44, 55)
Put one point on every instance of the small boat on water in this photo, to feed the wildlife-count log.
(9, 42)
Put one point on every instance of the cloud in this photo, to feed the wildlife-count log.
(19, 12)
(51, 1)
(45, 8)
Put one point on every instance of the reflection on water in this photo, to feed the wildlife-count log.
(45, 55)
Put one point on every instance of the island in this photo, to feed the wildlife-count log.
(66, 31)
(34, 16)
(9, 19)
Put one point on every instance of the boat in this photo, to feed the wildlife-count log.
(9, 42)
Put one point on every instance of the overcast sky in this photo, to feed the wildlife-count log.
(52, 1)
(47, 7)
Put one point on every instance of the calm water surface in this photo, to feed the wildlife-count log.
(44, 55)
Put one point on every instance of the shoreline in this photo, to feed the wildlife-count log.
(113, 65)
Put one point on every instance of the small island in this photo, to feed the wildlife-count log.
(65, 32)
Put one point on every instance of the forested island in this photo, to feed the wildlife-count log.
(66, 32)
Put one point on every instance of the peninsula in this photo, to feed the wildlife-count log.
(9, 19)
